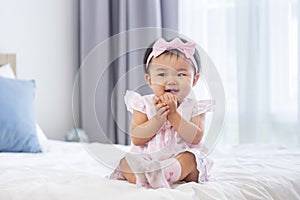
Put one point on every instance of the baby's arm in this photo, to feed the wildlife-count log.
(191, 131)
(143, 129)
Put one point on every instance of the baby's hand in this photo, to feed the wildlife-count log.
(170, 100)
(162, 110)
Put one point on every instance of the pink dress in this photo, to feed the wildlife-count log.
(167, 143)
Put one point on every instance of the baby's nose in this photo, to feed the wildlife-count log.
(171, 81)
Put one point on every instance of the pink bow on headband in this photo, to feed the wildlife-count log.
(160, 46)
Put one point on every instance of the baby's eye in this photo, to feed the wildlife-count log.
(161, 74)
(181, 74)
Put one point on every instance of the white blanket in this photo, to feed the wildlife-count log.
(69, 171)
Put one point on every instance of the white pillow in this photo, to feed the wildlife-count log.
(41, 137)
(7, 72)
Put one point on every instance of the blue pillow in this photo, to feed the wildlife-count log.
(17, 121)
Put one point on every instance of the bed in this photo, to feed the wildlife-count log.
(72, 170)
(68, 171)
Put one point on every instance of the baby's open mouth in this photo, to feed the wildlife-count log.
(172, 90)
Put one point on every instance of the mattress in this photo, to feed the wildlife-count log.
(68, 170)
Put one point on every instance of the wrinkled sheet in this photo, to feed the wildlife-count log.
(75, 171)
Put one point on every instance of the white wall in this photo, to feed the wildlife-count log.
(44, 36)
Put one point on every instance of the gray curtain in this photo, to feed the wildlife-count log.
(111, 59)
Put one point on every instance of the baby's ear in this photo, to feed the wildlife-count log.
(196, 78)
(148, 79)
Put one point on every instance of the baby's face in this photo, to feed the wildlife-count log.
(173, 74)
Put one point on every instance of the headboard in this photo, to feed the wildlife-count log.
(8, 59)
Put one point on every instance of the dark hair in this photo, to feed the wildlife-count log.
(172, 51)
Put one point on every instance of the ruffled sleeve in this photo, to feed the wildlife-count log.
(203, 106)
(134, 101)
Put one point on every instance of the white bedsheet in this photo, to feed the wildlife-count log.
(68, 171)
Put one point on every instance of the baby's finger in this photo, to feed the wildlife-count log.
(162, 109)
(165, 113)
(170, 97)
(173, 98)
(156, 101)
(158, 106)
(163, 98)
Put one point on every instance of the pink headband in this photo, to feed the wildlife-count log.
(160, 46)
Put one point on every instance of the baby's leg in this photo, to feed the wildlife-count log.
(155, 176)
(144, 173)
(188, 164)
(127, 172)
(131, 177)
